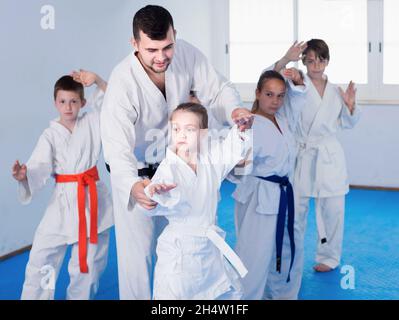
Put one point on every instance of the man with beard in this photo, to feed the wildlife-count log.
(143, 91)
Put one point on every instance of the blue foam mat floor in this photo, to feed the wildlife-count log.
(370, 249)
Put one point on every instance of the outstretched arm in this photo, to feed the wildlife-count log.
(213, 90)
(167, 197)
(160, 188)
(226, 154)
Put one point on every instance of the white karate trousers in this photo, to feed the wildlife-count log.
(331, 210)
(256, 246)
(136, 236)
(45, 261)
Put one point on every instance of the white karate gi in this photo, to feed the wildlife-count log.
(134, 123)
(320, 173)
(191, 249)
(257, 201)
(60, 152)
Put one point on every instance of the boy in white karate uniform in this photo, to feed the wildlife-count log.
(80, 209)
(320, 170)
(264, 205)
(191, 251)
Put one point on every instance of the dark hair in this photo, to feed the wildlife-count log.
(319, 47)
(195, 108)
(68, 84)
(154, 21)
(265, 76)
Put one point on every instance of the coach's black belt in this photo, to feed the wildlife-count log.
(144, 172)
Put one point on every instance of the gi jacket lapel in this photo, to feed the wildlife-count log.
(321, 101)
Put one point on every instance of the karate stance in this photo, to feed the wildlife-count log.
(320, 170)
(80, 210)
(191, 251)
(264, 203)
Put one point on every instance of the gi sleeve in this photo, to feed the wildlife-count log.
(348, 120)
(174, 201)
(39, 169)
(96, 100)
(118, 117)
(213, 90)
(294, 102)
(226, 154)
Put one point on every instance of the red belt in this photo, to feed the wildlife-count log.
(87, 178)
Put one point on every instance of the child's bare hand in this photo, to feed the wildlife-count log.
(19, 171)
(294, 75)
(243, 118)
(161, 188)
(349, 96)
(295, 51)
(87, 78)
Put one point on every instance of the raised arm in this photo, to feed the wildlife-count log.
(293, 54)
(226, 154)
(88, 78)
(294, 100)
(350, 113)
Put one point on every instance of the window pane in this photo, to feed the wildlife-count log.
(391, 42)
(261, 31)
(343, 25)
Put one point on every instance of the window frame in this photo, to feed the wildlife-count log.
(375, 91)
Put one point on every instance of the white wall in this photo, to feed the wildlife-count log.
(91, 34)
(372, 147)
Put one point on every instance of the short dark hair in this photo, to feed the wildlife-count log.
(68, 84)
(319, 47)
(265, 76)
(154, 21)
(196, 108)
